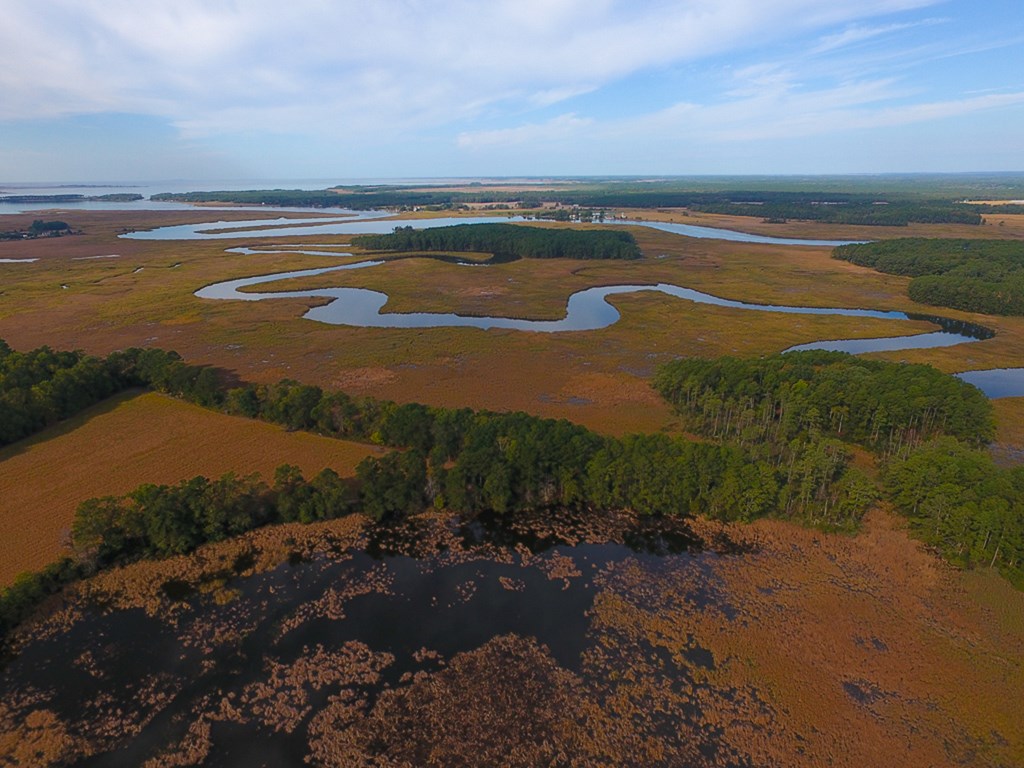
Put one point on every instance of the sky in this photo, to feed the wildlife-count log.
(121, 90)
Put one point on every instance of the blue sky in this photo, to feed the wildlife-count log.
(122, 90)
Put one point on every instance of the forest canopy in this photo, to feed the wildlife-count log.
(508, 241)
(973, 275)
(872, 209)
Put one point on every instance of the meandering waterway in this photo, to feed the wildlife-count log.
(380, 223)
(586, 310)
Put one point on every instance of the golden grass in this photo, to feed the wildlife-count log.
(598, 378)
(1009, 413)
(129, 440)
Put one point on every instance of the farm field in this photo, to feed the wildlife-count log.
(132, 439)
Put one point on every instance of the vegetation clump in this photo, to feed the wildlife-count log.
(958, 501)
(40, 387)
(508, 241)
(38, 228)
(973, 275)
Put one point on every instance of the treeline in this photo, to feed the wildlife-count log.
(508, 240)
(165, 520)
(470, 461)
(832, 207)
(958, 501)
(926, 429)
(38, 228)
(41, 387)
(973, 275)
(887, 407)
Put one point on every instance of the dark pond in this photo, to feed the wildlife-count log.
(495, 581)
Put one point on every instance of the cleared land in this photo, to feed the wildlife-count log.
(129, 440)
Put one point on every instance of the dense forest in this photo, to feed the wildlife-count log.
(779, 435)
(958, 501)
(40, 387)
(886, 407)
(774, 205)
(973, 275)
(507, 241)
(926, 430)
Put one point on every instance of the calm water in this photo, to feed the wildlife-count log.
(997, 382)
(713, 233)
(586, 310)
(373, 222)
(394, 603)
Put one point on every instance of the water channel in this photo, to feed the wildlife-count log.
(586, 310)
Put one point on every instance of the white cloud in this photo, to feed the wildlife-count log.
(561, 127)
(858, 33)
(365, 68)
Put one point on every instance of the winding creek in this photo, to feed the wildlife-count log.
(382, 223)
(586, 310)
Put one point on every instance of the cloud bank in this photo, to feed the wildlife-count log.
(476, 77)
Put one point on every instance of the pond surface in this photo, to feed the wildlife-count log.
(362, 624)
(997, 382)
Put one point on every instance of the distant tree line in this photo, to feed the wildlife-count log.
(38, 228)
(41, 387)
(831, 207)
(973, 275)
(508, 241)
(959, 502)
(114, 197)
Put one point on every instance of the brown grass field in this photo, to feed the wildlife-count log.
(144, 297)
(129, 440)
(812, 604)
(595, 378)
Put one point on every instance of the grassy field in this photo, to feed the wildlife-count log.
(595, 378)
(129, 440)
(877, 612)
